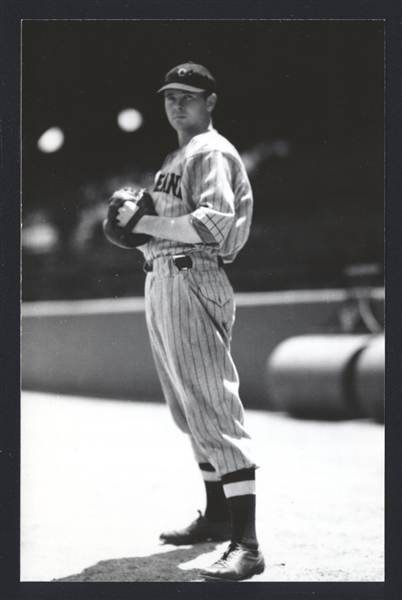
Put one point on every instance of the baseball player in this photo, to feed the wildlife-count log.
(203, 204)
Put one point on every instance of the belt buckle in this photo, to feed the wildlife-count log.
(182, 261)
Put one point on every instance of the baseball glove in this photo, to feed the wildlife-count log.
(123, 236)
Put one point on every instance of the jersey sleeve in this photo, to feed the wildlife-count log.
(208, 181)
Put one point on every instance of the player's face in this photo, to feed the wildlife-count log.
(188, 111)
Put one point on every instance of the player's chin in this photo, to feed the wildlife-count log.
(178, 122)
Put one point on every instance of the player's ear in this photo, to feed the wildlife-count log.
(211, 102)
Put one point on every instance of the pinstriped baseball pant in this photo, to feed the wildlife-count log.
(190, 314)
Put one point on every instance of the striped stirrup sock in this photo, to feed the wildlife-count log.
(217, 507)
(240, 491)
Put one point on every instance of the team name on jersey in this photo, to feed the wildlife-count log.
(169, 183)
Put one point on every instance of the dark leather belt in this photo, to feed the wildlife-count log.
(181, 261)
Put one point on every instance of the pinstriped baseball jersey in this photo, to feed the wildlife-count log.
(207, 179)
(190, 313)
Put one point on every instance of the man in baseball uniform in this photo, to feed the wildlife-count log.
(203, 203)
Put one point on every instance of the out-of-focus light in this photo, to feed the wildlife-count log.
(39, 238)
(130, 119)
(52, 140)
(264, 150)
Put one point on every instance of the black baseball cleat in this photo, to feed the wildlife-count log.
(200, 530)
(236, 564)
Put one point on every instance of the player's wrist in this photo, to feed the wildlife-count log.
(178, 229)
(145, 225)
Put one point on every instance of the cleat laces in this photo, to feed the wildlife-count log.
(229, 555)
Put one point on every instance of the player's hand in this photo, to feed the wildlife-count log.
(125, 213)
(126, 208)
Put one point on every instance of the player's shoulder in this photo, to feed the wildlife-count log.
(172, 156)
(211, 141)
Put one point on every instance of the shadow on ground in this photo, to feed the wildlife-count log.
(154, 568)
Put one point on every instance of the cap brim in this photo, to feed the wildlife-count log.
(180, 86)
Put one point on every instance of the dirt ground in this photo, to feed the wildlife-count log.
(100, 480)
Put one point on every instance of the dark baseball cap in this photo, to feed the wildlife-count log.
(189, 77)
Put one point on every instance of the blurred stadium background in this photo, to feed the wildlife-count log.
(301, 100)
